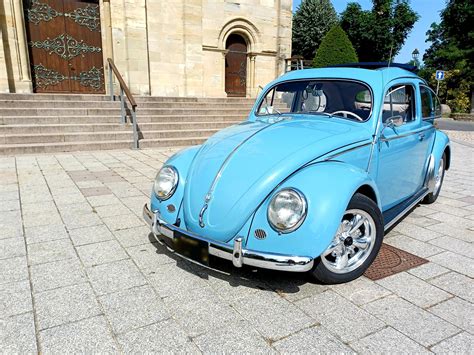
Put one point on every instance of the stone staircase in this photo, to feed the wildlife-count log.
(42, 123)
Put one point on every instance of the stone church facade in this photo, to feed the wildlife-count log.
(202, 48)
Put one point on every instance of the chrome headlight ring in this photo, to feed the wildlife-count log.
(287, 210)
(166, 182)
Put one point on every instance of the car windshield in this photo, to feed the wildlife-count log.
(336, 98)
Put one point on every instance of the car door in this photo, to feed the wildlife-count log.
(402, 148)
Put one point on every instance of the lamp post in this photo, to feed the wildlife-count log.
(415, 54)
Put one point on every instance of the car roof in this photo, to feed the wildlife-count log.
(373, 77)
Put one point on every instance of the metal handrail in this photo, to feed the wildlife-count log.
(123, 90)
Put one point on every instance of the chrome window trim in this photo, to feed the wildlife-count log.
(262, 98)
(436, 96)
(405, 134)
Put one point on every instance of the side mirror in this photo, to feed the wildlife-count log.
(394, 121)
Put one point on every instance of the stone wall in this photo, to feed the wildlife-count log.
(168, 48)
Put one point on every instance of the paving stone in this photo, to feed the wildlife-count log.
(455, 245)
(456, 311)
(15, 298)
(416, 232)
(133, 308)
(57, 274)
(39, 253)
(151, 257)
(103, 200)
(414, 246)
(12, 247)
(88, 336)
(163, 337)
(116, 276)
(65, 305)
(453, 220)
(95, 191)
(69, 199)
(101, 253)
(191, 310)
(123, 222)
(238, 338)
(175, 279)
(17, 334)
(428, 271)
(412, 321)
(330, 309)
(456, 284)
(81, 220)
(42, 219)
(11, 231)
(454, 262)
(414, 290)
(422, 221)
(462, 343)
(89, 235)
(133, 236)
(8, 195)
(387, 341)
(45, 233)
(13, 269)
(292, 287)
(313, 340)
(234, 287)
(286, 317)
(9, 205)
(111, 211)
(361, 291)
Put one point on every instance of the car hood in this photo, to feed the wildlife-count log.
(239, 166)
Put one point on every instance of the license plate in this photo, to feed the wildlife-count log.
(191, 248)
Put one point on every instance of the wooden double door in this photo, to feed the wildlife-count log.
(236, 66)
(65, 45)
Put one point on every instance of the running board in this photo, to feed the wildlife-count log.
(392, 215)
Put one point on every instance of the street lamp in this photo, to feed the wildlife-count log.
(415, 54)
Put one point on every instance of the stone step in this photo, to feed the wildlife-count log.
(101, 136)
(73, 119)
(38, 148)
(9, 112)
(19, 129)
(30, 104)
(79, 97)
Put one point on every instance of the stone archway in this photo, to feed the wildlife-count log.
(236, 66)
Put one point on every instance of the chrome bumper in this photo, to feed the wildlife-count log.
(238, 255)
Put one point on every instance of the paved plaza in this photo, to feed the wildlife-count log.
(80, 273)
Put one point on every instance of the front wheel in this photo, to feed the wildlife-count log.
(355, 245)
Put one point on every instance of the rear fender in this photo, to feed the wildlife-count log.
(328, 187)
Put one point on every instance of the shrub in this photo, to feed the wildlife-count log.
(335, 48)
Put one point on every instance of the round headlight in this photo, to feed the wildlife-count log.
(165, 182)
(287, 210)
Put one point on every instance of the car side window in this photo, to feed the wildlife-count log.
(430, 106)
(399, 102)
(276, 102)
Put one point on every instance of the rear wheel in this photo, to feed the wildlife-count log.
(355, 245)
(432, 196)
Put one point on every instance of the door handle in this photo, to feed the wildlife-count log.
(421, 136)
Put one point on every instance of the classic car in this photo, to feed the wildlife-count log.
(326, 162)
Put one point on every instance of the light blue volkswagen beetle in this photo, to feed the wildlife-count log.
(326, 162)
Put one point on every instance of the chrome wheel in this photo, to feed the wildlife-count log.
(352, 244)
(439, 177)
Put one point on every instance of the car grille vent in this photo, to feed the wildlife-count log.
(260, 234)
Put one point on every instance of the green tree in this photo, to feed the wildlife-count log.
(452, 50)
(379, 33)
(335, 48)
(311, 21)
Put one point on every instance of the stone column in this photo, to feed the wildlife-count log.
(22, 46)
(107, 40)
(251, 90)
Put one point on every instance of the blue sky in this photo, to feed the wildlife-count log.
(428, 10)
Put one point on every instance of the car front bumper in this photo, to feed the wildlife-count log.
(238, 255)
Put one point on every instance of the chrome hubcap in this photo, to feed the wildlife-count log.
(352, 244)
(439, 176)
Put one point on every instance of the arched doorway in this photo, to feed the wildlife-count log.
(236, 66)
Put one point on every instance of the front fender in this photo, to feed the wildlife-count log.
(181, 161)
(328, 187)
